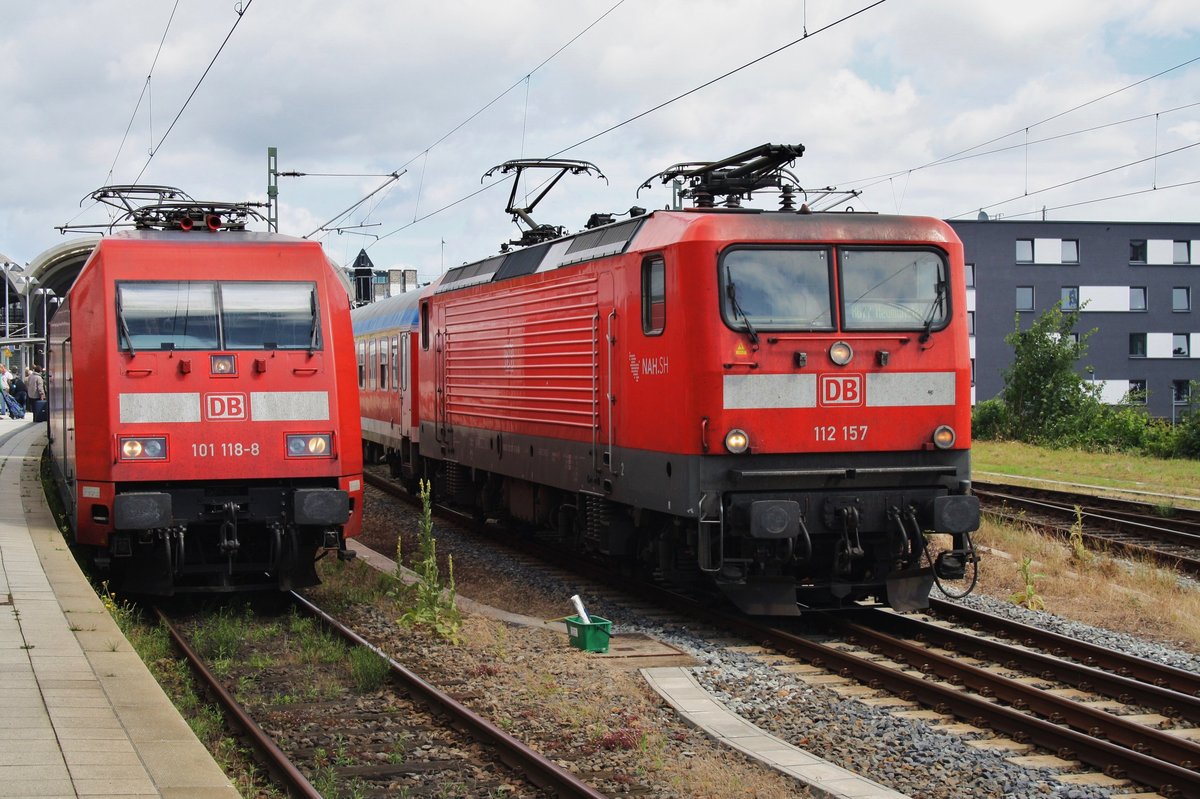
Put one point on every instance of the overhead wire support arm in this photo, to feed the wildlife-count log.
(392, 178)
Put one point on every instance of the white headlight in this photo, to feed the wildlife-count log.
(944, 437)
(736, 441)
(841, 353)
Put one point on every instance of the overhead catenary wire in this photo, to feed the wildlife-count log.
(241, 13)
(721, 77)
(807, 35)
(1154, 157)
(955, 155)
(145, 89)
(1105, 199)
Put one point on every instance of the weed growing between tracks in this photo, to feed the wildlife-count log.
(1128, 596)
(572, 706)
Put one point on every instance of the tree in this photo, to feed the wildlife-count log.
(1045, 398)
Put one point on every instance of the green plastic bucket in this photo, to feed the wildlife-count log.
(589, 637)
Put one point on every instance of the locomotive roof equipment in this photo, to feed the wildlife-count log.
(536, 233)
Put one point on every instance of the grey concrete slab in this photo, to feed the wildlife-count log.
(680, 689)
(80, 715)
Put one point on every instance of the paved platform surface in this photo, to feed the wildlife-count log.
(80, 715)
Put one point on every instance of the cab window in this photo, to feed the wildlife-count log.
(654, 295)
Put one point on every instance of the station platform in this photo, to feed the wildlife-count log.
(80, 714)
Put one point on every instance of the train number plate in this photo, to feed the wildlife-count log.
(226, 449)
(847, 432)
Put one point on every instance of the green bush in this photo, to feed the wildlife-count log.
(989, 420)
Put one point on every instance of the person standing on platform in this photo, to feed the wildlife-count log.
(37, 393)
(5, 380)
(17, 389)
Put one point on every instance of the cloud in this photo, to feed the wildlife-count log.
(370, 86)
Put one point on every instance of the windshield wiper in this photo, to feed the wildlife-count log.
(935, 309)
(731, 292)
(123, 326)
(315, 329)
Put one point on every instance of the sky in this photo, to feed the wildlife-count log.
(1067, 110)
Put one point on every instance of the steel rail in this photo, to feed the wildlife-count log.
(1113, 759)
(539, 770)
(1146, 671)
(277, 762)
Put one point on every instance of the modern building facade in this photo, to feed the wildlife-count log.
(1135, 283)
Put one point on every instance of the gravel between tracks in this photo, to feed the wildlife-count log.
(910, 756)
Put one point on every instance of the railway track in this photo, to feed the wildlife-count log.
(1126, 717)
(1169, 536)
(319, 736)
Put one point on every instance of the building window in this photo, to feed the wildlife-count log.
(970, 323)
(972, 371)
(1070, 251)
(1181, 298)
(970, 275)
(1181, 391)
(1181, 253)
(1137, 251)
(1070, 298)
(1137, 345)
(1179, 345)
(1024, 251)
(1024, 298)
(1137, 298)
(1137, 392)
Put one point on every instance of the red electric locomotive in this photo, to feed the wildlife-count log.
(776, 401)
(203, 408)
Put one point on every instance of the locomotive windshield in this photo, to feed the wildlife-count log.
(892, 289)
(207, 315)
(779, 288)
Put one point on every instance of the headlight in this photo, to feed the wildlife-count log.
(223, 365)
(144, 449)
(313, 445)
(841, 353)
(944, 437)
(736, 441)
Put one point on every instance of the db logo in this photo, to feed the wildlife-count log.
(220, 407)
(841, 389)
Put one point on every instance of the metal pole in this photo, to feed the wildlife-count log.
(273, 189)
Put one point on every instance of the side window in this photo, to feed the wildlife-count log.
(397, 377)
(425, 325)
(373, 350)
(362, 364)
(654, 295)
(404, 362)
(383, 364)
